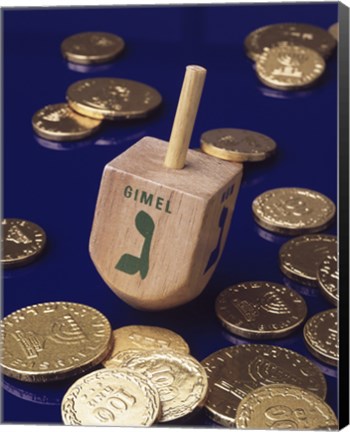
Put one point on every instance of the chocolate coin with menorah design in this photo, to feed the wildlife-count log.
(289, 67)
(260, 310)
(53, 341)
(21, 242)
(236, 370)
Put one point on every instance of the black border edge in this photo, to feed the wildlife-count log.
(343, 213)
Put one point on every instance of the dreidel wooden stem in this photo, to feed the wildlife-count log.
(159, 230)
(185, 117)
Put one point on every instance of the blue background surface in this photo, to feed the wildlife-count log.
(56, 185)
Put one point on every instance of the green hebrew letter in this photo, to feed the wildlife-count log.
(215, 253)
(131, 264)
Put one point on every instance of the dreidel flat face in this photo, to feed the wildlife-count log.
(158, 233)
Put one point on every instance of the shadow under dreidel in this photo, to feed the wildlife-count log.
(63, 146)
(255, 172)
(270, 236)
(301, 289)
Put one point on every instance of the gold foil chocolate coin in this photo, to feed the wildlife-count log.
(289, 67)
(305, 35)
(328, 278)
(237, 145)
(235, 371)
(293, 211)
(252, 43)
(301, 256)
(59, 123)
(92, 47)
(139, 337)
(282, 406)
(111, 398)
(21, 242)
(112, 98)
(53, 341)
(321, 336)
(179, 379)
(334, 30)
(260, 310)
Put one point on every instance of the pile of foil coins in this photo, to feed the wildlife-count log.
(142, 375)
(90, 101)
(290, 56)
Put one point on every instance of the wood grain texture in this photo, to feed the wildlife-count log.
(186, 210)
(185, 117)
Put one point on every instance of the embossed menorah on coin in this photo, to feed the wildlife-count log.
(163, 213)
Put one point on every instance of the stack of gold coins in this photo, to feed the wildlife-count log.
(149, 375)
(89, 102)
(92, 100)
(235, 371)
(290, 56)
(161, 356)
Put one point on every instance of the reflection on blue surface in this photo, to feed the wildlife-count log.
(270, 236)
(36, 393)
(93, 69)
(58, 189)
(285, 342)
(17, 272)
(113, 141)
(304, 290)
(326, 369)
(62, 146)
(280, 94)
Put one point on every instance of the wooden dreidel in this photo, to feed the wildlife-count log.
(163, 213)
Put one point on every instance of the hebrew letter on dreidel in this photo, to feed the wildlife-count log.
(215, 253)
(131, 264)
